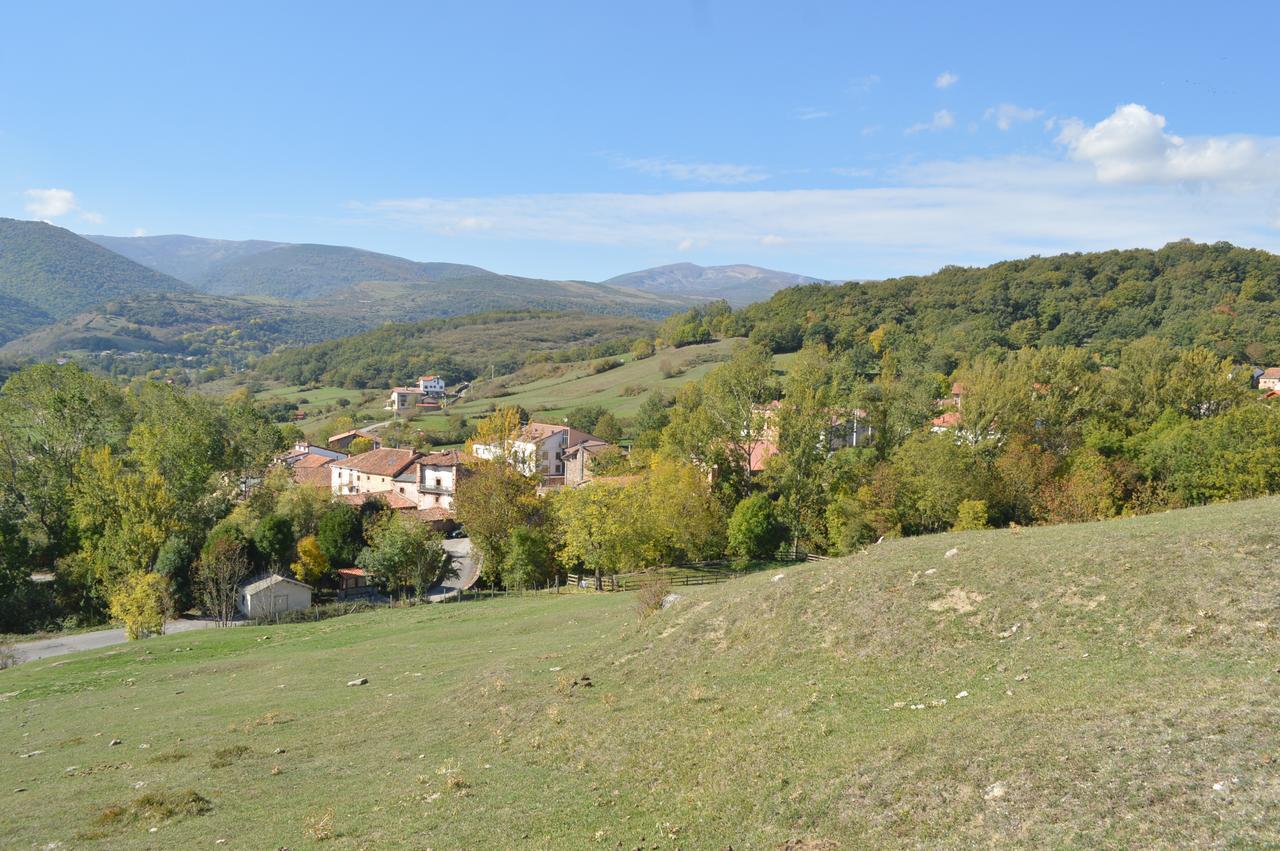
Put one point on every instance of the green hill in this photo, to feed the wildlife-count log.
(1219, 296)
(459, 348)
(1096, 686)
(47, 272)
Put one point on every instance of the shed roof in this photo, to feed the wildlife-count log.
(268, 581)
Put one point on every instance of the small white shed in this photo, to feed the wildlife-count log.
(272, 595)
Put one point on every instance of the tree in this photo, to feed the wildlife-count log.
(530, 559)
(274, 539)
(499, 431)
(754, 532)
(304, 506)
(607, 428)
(360, 445)
(491, 502)
(405, 551)
(174, 562)
(312, 564)
(585, 417)
(717, 422)
(595, 531)
(223, 565)
(339, 534)
(803, 425)
(49, 416)
(642, 348)
(139, 602)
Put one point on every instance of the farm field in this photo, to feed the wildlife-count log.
(1091, 685)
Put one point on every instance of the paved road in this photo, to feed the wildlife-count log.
(29, 651)
(468, 570)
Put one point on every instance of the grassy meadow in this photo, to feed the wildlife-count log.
(1099, 685)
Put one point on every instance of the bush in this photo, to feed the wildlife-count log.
(754, 532)
(668, 369)
(605, 365)
(971, 514)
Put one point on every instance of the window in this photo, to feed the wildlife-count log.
(438, 482)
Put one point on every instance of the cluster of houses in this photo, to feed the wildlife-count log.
(426, 396)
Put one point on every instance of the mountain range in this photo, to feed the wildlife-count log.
(61, 292)
(738, 284)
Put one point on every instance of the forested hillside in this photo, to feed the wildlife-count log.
(49, 272)
(1218, 296)
(458, 348)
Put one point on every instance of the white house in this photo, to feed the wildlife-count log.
(1269, 379)
(539, 448)
(425, 395)
(272, 595)
(406, 478)
(435, 477)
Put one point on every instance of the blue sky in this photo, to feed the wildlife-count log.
(584, 140)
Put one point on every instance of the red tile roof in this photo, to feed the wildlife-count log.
(380, 462)
(951, 419)
(319, 477)
(445, 458)
(1271, 372)
(397, 501)
(762, 451)
(434, 514)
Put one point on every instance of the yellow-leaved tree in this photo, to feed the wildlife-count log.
(312, 564)
(139, 602)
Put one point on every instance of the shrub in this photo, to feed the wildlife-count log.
(971, 514)
(600, 366)
(754, 531)
(649, 596)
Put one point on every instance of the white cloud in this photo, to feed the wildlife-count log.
(50, 203)
(1131, 146)
(139, 231)
(809, 114)
(853, 172)
(943, 119)
(1006, 115)
(723, 173)
(871, 130)
(946, 80)
(772, 239)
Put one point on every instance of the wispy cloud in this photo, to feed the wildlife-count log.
(1006, 115)
(810, 113)
(943, 119)
(946, 80)
(1117, 183)
(722, 173)
(52, 203)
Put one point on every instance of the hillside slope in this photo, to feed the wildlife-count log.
(187, 258)
(1101, 685)
(738, 284)
(47, 272)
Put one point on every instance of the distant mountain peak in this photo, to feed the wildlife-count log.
(737, 283)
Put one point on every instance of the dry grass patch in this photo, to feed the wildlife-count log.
(156, 807)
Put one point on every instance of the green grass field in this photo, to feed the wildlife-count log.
(1101, 685)
(620, 390)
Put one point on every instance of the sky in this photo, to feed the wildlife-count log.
(585, 140)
